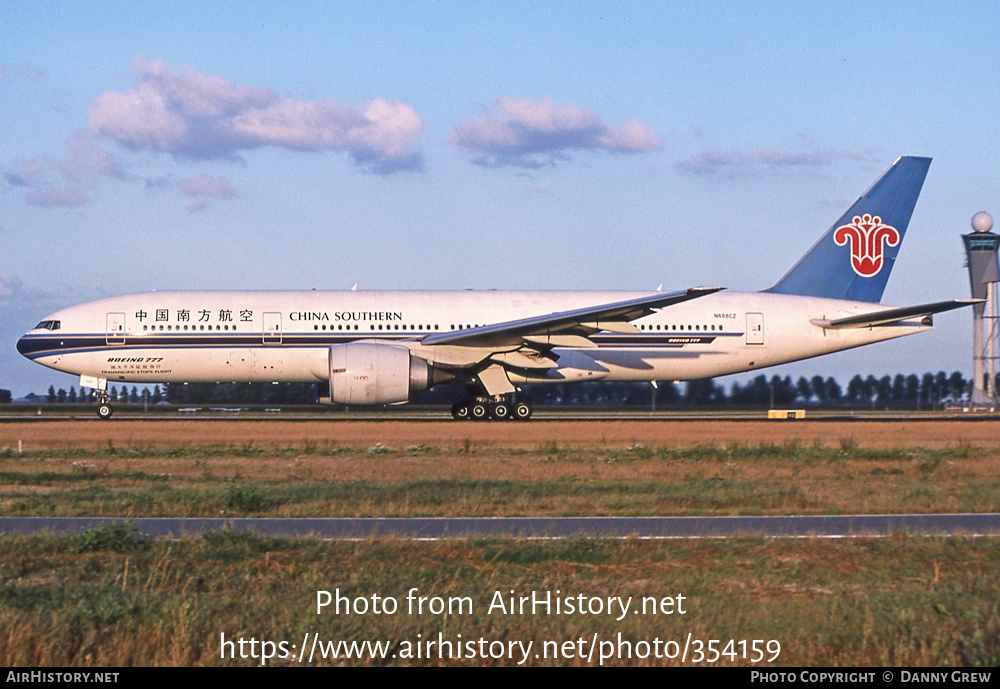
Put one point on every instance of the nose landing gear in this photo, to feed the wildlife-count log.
(104, 408)
(104, 411)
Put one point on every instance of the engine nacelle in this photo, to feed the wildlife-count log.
(373, 373)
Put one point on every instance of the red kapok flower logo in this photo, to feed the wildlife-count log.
(867, 236)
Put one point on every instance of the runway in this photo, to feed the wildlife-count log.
(412, 414)
(840, 526)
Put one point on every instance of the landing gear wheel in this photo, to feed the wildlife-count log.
(479, 411)
(501, 411)
(460, 411)
(104, 411)
(522, 411)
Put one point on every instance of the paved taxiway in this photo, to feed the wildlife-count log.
(840, 526)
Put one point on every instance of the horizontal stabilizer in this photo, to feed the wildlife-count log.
(890, 316)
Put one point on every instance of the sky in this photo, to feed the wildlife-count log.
(452, 145)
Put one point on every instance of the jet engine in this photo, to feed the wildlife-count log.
(374, 373)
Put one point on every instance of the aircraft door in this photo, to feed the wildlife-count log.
(272, 328)
(115, 331)
(755, 328)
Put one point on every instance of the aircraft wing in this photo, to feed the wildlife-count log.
(890, 316)
(567, 328)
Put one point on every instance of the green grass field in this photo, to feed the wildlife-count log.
(107, 599)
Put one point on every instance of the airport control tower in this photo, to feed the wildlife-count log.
(984, 272)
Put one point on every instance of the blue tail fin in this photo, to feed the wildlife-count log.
(853, 259)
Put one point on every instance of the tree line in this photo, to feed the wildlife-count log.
(929, 391)
(899, 391)
(181, 394)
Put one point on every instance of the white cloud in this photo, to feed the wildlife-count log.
(206, 185)
(10, 285)
(731, 163)
(203, 187)
(54, 182)
(55, 197)
(189, 114)
(24, 70)
(530, 133)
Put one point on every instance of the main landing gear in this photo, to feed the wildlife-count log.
(485, 409)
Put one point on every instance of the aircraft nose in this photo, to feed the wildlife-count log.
(22, 346)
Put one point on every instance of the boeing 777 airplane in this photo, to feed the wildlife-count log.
(376, 348)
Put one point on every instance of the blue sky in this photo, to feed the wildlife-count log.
(439, 145)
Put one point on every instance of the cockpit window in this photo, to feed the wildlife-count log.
(49, 325)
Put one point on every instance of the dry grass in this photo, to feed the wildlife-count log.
(602, 434)
(420, 480)
(107, 600)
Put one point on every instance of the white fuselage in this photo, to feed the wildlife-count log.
(159, 337)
